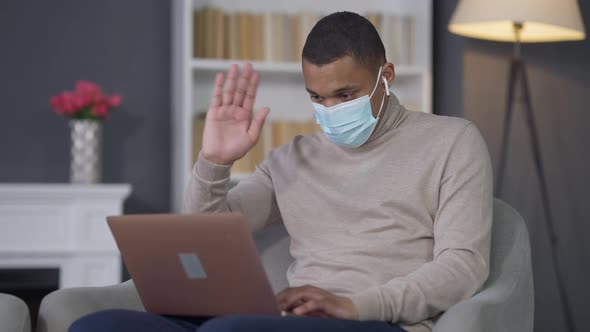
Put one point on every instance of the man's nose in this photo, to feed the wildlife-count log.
(329, 102)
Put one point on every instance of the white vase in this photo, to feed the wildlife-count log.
(86, 151)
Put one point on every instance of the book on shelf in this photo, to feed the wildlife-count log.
(280, 37)
(232, 35)
(300, 26)
(258, 37)
(198, 127)
(282, 132)
(273, 37)
(248, 163)
(244, 33)
(219, 34)
(375, 19)
(210, 32)
(396, 32)
(198, 29)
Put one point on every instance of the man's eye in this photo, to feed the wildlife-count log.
(316, 99)
(346, 96)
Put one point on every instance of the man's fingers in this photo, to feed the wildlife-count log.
(294, 297)
(287, 296)
(313, 301)
(230, 87)
(217, 91)
(307, 307)
(257, 123)
(250, 97)
(242, 87)
(317, 308)
(282, 298)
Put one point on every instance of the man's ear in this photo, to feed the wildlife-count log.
(389, 72)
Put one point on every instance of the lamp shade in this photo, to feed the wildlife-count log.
(542, 20)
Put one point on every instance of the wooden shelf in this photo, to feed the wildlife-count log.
(215, 65)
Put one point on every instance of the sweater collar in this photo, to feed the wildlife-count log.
(390, 119)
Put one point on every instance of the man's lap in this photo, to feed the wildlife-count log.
(127, 320)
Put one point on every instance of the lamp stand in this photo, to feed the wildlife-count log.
(518, 70)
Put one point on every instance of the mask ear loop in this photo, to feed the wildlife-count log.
(383, 100)
(376, 84)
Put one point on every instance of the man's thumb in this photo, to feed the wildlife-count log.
(257, 123)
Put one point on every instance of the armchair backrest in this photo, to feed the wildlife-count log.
(509, 286)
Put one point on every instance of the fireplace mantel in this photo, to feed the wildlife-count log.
(62, 226)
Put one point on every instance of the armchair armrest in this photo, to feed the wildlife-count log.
(14, 314)
(61, 308)
(506, 301)
(490, 310)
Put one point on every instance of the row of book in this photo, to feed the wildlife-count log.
(279, 133)
(279, 37)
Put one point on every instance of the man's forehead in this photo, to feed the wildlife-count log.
(340, 67)
(336, 75)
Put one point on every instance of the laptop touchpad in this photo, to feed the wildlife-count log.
(192, 265)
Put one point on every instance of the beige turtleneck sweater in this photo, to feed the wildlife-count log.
(401, 225)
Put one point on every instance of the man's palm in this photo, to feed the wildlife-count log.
(230, 128)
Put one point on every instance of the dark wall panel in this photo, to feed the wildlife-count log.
(121, 45)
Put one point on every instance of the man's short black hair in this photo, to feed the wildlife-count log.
(341, 34)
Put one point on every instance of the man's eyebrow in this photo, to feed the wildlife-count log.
(345, 89)
(337, 91)
(310, 91)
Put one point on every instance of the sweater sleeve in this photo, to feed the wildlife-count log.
(462, 234)
(254, 197)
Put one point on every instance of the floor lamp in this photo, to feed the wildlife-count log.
(523, 21)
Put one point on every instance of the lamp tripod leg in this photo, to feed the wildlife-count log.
(507, 127)
(553, 239)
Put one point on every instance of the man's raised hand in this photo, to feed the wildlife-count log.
(231, 128)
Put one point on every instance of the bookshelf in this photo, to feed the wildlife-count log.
(281, 82)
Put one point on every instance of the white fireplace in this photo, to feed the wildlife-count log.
(62, 226)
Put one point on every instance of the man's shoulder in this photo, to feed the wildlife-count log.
(443, 135)
(441, 124)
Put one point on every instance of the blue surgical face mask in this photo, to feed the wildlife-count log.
(351, 123)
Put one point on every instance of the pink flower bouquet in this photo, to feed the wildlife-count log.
(87, 101)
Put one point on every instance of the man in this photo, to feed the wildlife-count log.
(389, 211)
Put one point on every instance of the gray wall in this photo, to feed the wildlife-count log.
(122, 45)
(470, 80)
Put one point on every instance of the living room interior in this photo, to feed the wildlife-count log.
(154, 63)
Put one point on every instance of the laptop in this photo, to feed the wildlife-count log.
(194, 264)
